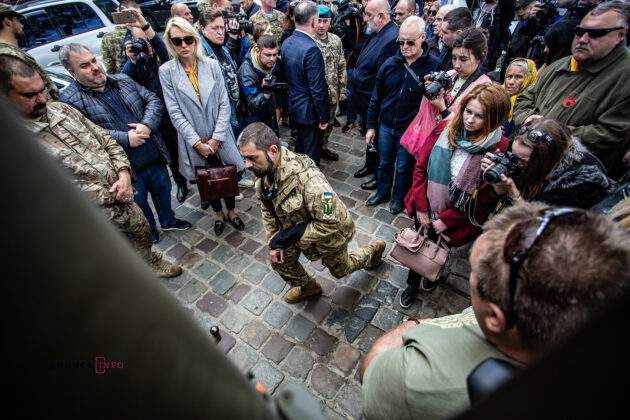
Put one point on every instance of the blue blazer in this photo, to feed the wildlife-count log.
(304, 69)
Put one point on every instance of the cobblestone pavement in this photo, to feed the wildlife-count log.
(318, 343)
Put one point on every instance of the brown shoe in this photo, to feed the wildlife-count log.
(296, 294)
(163, 268)
(377, 248)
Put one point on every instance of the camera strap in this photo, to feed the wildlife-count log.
(414, 75)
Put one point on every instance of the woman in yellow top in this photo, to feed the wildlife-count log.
(199, 107)
(520, 74)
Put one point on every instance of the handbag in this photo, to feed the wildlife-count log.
(414, 249)
(215, 180)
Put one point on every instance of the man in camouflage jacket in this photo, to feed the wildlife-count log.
(275, 18)
(301, 214)
(332, 51)
(93, 159)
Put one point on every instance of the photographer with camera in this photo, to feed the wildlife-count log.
(545, 163)
(257, 77)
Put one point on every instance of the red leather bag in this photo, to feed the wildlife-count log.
(215, 182)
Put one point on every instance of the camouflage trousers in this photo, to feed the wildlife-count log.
(339, 262)
(130, 220)
(329, 129)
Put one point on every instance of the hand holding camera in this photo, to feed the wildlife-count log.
(498, 170)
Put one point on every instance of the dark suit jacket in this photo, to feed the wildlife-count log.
(305, 72)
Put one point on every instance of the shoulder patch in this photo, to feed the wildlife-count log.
(328, 206)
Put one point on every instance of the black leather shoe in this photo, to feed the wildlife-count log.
(182, 192)
(219, 225)
(237, 223)
(363, 172)
(395, 207)
(329, 155)
(375, 200)
(408, 296)
(369, 185)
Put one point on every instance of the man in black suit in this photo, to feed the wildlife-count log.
(306, 76)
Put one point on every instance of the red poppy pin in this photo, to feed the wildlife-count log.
(569, 102)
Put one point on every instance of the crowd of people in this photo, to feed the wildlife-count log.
(498, 123)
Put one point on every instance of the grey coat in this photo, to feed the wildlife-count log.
(204, 118)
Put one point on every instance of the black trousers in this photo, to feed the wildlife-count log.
(170, 139)
(371, 153)
(309, 140)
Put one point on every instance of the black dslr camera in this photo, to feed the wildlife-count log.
(504, 164)
(346, 22)
(243, 23)
(439, 80)
(270, 83)
(139, 46)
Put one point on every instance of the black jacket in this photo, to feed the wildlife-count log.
(397, 95)
(256, 107)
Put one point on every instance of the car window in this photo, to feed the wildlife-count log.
(38, 30)
(90, 18)
(70, 21)
(106, 6)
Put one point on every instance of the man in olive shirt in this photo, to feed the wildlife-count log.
(419, 369)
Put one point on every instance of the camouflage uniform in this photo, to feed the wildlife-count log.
(111, 49)
(275, 22)
(10, 50)
(304, 195)
(94, 160)
(332, 50)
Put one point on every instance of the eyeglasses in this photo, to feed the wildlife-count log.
(409, 42)
(519, 242)
(534, 135)
(595, 32)
(177, 41)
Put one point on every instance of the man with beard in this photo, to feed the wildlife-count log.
(588, 91)
(301, 214)
(11, 30)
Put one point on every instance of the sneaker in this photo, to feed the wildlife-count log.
(427, 285)
(246, 183)
(178, 225)
(239, 197)
(377, 248)
(408, 296)
(296, 294)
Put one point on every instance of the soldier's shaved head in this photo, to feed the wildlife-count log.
(12, 67)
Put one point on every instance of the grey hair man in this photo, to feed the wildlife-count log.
(183, 11)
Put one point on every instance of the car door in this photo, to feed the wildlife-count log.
(73, 23)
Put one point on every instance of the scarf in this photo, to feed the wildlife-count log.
(454, 173)
(529, 80)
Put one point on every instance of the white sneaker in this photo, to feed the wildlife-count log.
(246, 183)
(239, 197)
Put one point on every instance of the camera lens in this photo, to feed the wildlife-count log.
(492, 175)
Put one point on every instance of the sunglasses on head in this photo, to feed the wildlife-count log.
(409, 42)
(534, 135)
(177, 41)
(521, 239)
(595, 32)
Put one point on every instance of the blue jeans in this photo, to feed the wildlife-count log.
(389, 152)
(154, 180)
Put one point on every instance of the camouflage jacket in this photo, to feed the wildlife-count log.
(302, 194)
(275, 22)
(332, 50)
(13, 51)
(111, 49)
(83, 148)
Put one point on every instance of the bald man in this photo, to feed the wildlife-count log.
(404, 9)
(435, 44)
(181, 10)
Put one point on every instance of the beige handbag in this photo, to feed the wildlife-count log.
(415, 250)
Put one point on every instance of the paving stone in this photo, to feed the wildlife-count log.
(235, 318)
(362, 280)
(190, 259)
(250, 247)
(222, 282)
(362, 239)
(345, 296)
(360, 195)
(253, 227)
(237, 293)
(398, 276)
(177, 252)
(366, 212)
(277, 314)
(386, 233)
(255, 273)
(325, 382)
(256, 301)
(267, 375)
(299, 328)
(206, 270)
(238, 263)
(402, 222)
(298, 363)
(345, 357)
(206, 223)
(328, 285)
(340, 187)
(385, 292)
(255, 334)
(367, 224)
(337, 319)
(349, 202)
(353, 328)
(274, 283)
(276, 348)
(459, 283)
(192, 291)
(194, 216)
(222, 253)
(350, 400)
(207, 245)
(316, 310)
(262, 256)
(331, 414)
(182, 211)
(386, 319)
(165, 243)
(340, 175)
(321, 342)
(226, 343)
(366, 308)
(235, 238)
(243, 356)
(384, 216)
(212, 304)
(175, 283)
(191, 237)
(367, 337)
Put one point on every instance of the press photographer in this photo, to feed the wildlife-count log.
(258, 78)
(347, 23)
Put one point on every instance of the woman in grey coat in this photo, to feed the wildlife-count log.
(198, 104)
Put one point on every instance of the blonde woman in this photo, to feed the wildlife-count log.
(198, 104)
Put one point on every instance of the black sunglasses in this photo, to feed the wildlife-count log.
(177, 41)
(595, 32)
(409, 42)
(519, 242)
(534, 135)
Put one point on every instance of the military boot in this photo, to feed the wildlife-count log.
(296, 294)
(376, 248)
(163, 268)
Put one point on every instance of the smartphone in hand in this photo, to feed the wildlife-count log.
(123, 17)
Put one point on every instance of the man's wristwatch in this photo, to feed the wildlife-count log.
(146, 26)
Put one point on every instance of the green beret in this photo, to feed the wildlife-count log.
(324, 11)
